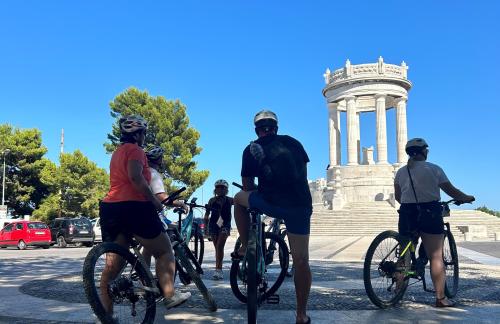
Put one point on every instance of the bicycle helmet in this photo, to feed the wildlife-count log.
(415, 146)
(155, 153)
(132, 123)
(265, 118)
(221, 182)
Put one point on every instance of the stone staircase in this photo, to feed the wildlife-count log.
(362, 219)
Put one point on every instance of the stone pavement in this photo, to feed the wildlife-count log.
(45, 287)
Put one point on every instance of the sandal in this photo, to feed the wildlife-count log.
(440, 304)
(308, 321)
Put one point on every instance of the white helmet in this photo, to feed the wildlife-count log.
(415, 145)
(132, 123)
(265, 118)
(221, 182)
(155, 153)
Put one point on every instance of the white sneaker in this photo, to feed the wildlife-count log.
(177, 299)
(218, 274)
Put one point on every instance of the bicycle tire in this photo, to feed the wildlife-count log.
(394, 242)
(284, 264)
(198, 245)
(450, 259)
(252, 282)
(181, 255)
(89, 281)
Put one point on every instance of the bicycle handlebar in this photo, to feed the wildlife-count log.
(455, 202)
(173, 196)
(237, 185)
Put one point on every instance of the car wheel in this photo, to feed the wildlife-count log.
(61, 242)
(88, 244)
(45, 246)
(21, 245)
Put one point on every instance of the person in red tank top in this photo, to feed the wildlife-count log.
(131, 209)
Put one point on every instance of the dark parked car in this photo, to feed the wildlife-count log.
(66, 231)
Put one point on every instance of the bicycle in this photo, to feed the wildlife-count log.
(190, 230)
(386, 273)
(134, 291)
(249, 275)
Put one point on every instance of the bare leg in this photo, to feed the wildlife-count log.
(221, 242)
(433, 244)
(147, 256)
(114, 263)
(161, 248)
(299, 246)
(214, 241)
(241, 217)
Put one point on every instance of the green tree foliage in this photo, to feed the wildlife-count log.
(24, 164)
(76, 186)
(489, 211)
(168, 127)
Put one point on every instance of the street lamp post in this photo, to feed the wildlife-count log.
(4, 153)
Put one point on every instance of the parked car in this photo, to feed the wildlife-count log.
(25, 233)
(66, 231)
(97, 230)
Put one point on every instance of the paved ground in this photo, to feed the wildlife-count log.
(44, 286)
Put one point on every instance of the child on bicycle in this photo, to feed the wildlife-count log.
(155, 160)
(417, 188)
(219, 223)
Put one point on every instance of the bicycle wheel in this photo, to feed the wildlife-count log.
(181, 256)
(197, 245)
(450, 258)
(131, 303)
(384, 270)
(277, 263)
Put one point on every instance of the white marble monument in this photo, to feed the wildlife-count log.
(356, 89)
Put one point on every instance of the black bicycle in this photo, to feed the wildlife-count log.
(391, 262)
(254, 278)
(133, 289)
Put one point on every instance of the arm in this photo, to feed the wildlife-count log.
(248, 183)
(397, 192)
(134, 170)
(453, 192)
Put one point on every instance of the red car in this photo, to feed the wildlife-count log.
(25, 233)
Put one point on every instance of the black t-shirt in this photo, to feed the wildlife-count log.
(220, 206)
(286, 182)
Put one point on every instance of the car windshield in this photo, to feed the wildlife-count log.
(80, 223)
(37, 226)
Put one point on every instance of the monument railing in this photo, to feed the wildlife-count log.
(368, 70)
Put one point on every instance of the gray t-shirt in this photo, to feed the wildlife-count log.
(426, 179)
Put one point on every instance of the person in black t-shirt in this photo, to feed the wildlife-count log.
(219, 223)
(280, 164)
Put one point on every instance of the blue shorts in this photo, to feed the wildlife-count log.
(297, 219)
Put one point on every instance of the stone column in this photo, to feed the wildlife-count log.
(381, 129)
(352, 136)
(334, 131)
(358, 138)
(401, 129)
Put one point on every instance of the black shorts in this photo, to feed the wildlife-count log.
(214, 229)
(130, 218)
(429, 220)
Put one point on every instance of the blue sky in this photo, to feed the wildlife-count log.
(62, 62)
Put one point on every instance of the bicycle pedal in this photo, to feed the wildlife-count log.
(273, 299)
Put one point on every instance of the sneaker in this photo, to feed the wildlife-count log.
(177, 299)
(218, 274)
